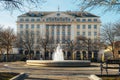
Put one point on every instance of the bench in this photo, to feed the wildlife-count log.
(106, 67)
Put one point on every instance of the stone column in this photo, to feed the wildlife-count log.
(49, 55)
(81, 55)
(60, 34)
(55, 34)
(75, 55)
(24, 52)
(86, 54)
(34, 53)
(65, 54)
(92, 55)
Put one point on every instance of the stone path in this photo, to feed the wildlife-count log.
(53, 73)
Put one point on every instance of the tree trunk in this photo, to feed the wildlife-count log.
(44, 54)
(113, 51)
(7, 54)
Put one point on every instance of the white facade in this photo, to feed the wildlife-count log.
(60, 26)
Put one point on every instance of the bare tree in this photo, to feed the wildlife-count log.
(109, 36)
(19, 4)
(70, 46)
(117, 29)
(26, 41)
(108, 5)
(7, 37)
(0, 40)
(44, 43)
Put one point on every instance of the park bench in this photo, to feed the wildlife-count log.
(105, 65)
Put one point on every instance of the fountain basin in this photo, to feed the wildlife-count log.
(65, 63)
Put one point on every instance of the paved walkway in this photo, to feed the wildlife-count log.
(53, 73)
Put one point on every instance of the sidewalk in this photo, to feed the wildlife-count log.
(53, 73)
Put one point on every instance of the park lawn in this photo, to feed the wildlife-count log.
(7, 75)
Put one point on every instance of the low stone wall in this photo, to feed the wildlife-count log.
(65, 63)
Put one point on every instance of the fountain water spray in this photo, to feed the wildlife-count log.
(58, 54)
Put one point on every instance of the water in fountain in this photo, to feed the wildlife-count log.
(58, 54)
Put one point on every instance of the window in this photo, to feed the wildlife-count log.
(78, 33)
(21, 32)
(26, 20)
(58, 19)
(52, 19)
(32, 20)
(32, 32)
(69, 33)
(78, 20)
(38, 33)
(89, 20)
(63, 33)
(27, 26)
(26, 31)
(38, 19)
(52, 32)
(95, 33)
(21, 20)
(53, 27)
(38, 26)
(58, 27)
(63, 19)
(21, 25)
(68, 19)
(95, 20)
(89, 26)
(83, 20)
(32, 26)
(68, 38)
(58, 33)
(83, 33)
(32, 14)
(95, 26)
(47, 26)
(63, 39)
(63, 26)
(78, 26)
(89, 33)
(47, 19)
(69, 27)
(58, 14)
(83, 26)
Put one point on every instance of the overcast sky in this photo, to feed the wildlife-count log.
(8, 19)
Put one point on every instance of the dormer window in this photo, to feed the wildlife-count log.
(32, 14)
(58, 14)
(39, 14)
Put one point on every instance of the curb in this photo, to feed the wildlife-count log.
(21, 76)
(94, 77)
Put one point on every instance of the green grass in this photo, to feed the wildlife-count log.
(7, 75)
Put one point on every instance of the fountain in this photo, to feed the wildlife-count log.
(58, 60)
(58, 54)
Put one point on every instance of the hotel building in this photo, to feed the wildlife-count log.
(60, 26)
